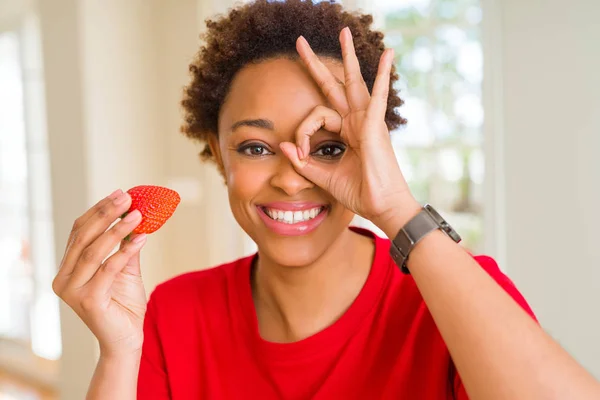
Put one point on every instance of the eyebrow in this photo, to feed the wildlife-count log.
(256, 123)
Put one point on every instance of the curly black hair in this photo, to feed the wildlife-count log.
(266, 29)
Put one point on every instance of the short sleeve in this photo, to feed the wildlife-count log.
(491, 267)
(153, 381)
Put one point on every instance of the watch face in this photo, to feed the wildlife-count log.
(445, 226)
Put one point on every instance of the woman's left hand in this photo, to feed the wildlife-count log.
(367, 179)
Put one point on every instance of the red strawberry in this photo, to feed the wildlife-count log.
(156, 204)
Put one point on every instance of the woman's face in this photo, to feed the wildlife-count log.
(292, 220)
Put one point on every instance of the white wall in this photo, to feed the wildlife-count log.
(551, 84)
(12, 11)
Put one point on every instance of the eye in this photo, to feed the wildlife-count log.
(254, 150)
(330, 151)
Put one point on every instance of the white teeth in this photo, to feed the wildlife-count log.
(293, 217)
(298, 216)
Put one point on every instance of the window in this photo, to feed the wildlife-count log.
(439, 58)
(28, 308)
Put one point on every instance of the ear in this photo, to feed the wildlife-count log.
(213, 144)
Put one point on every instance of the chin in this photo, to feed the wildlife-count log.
(293, 252)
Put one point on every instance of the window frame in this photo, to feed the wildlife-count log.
(16, 355)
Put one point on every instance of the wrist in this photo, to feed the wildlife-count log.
(400, 212)
(117, 358)
(111, 355)
(125, 348)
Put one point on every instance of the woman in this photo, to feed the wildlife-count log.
(300, 133)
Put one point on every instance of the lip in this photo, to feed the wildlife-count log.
(298, 229)
(293, 206)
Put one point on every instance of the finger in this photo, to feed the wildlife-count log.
(93, 255)
(103, 279)
(320, 117)
(79, 222)
(315, 172)
(78, 238)
(331, 87)
(93, 227)
(357, 92)
(378, 105)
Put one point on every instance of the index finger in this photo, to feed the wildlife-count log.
(99, 218)
(332, 88)
(79, 222)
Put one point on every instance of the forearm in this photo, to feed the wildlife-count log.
(499, 350)
(115, 378)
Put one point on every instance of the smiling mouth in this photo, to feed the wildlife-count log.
(293, 217)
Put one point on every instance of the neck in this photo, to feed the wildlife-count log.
(293, 303)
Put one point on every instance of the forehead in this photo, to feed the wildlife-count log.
(281, 90)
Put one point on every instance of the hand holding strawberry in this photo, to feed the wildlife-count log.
(108, 293)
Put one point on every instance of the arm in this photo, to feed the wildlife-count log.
(500, 351)
(135, 375)
(115, 377)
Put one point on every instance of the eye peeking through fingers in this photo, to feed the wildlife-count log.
(329, 151)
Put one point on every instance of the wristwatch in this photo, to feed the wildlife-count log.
(425, 222)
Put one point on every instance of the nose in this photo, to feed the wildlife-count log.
(286, 179)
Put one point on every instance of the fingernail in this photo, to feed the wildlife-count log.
(114, 194)
(300, 153)
(139, 239)
(132, 216)
(303, 39)
(121, 199)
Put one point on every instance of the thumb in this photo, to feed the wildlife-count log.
(319, 174)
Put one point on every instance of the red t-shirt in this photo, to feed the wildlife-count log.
(202, 342)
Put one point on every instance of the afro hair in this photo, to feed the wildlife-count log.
(262, 30)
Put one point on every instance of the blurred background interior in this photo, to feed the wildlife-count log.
(502, 98)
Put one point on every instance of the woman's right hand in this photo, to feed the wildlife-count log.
(107, 293)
